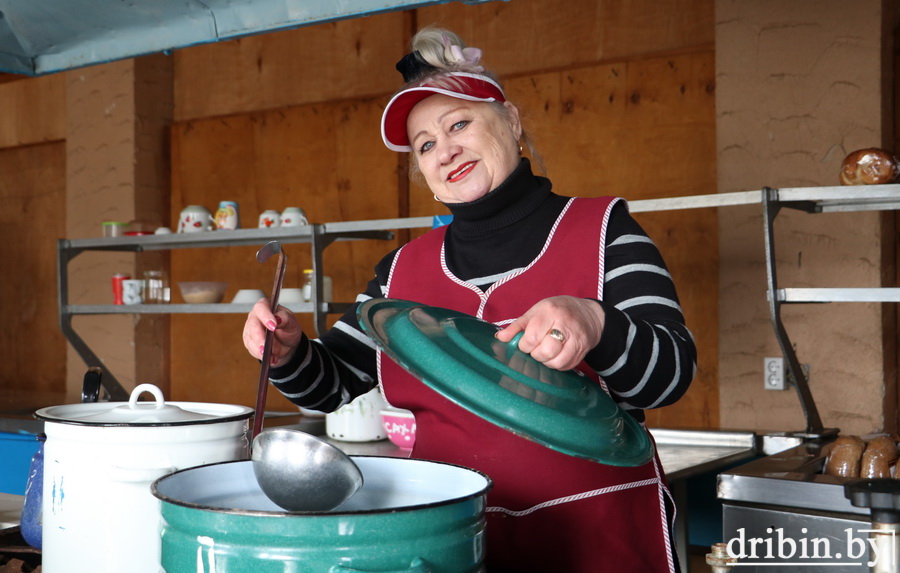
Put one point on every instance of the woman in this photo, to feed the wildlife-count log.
(578, 276)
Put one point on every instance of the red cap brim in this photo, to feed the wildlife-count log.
(465, 86)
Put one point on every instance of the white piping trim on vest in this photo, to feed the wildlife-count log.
(482, 296)
(576, 497)
(485, 295)
(379, 385)
(390, 277)
(666, 528)
(509, 277)
(602, 247)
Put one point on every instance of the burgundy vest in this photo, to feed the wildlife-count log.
(548, 511)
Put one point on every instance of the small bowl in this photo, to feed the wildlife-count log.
(400, 426)
(248, 296)
(202, 292)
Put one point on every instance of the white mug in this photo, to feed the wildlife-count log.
(358, 421)
(195, 219)
(132, 291)
(293, 217)
(269, 218)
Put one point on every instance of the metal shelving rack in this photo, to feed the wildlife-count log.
(317, 236)
(817, 200)
(807, 199)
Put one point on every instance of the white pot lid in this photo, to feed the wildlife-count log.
(134, 413)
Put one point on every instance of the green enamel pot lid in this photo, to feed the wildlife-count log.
(458, 356)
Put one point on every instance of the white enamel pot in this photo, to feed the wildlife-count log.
(99, 461)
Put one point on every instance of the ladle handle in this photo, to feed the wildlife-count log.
(263, 387)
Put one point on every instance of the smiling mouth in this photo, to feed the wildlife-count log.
(463, 170)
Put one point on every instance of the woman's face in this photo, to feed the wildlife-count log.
(464, 149)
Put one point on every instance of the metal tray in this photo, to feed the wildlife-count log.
(792, 478)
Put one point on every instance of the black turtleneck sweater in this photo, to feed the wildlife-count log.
(646, 354)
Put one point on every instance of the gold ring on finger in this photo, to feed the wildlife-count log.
(557, 335)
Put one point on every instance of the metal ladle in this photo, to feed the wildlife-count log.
(296, 470)
(300, 472)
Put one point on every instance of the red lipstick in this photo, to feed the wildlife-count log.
(461, 172)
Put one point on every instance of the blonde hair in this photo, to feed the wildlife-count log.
(432, 45)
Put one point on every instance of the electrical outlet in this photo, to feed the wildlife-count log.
(773, 373)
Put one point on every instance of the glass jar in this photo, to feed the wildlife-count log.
(156, 287)
(308, 282)
(113, 228)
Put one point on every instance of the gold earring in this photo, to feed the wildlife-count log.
(520, 150)
(436, 199)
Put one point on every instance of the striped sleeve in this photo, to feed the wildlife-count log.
(329, 372)
(646, 355)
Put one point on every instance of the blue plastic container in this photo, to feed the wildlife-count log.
(441, 220)
(16, 451)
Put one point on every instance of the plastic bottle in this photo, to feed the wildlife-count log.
(309, 280)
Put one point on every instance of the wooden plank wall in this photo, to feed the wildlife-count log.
(32, 219)
(618, 96)
(314, 157)
(33, 215)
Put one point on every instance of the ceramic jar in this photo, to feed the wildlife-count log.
(228, 216)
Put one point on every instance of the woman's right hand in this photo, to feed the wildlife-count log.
(283, 323)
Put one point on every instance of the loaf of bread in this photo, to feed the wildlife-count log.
(845, 457)
(871, 166)
(878, 458)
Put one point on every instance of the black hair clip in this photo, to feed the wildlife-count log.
(412, 66)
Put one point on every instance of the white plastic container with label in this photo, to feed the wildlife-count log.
(358, 421)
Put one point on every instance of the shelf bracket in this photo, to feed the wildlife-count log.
(797, 377)
(113, 387)
(320, 240)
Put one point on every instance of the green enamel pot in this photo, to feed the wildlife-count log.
(409, 516)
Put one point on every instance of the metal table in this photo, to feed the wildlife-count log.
(687, 453)
(786, 496)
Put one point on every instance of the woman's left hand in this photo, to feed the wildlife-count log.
(559, 331)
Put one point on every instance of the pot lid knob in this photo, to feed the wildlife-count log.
(140, 389)
(156, 412)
